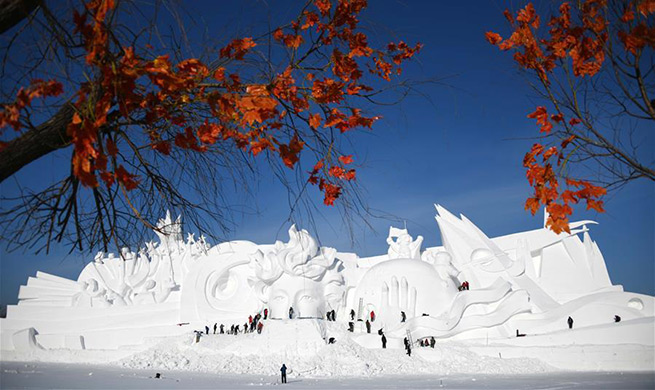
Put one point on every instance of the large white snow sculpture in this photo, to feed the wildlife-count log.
(529, 281)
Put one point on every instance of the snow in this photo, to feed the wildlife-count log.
(23, 375)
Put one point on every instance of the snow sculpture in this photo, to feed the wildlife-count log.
(299, 275)
(530, 281)
(403, 247)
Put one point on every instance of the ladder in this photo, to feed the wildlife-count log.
(409, 337)
(360, 308)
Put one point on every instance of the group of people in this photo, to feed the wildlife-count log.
(331, 315)
(427, 342)
(463, 286)
(254, 324)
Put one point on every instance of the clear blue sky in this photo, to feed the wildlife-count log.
(462, 147)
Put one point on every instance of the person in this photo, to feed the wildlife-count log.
(352, 315)
(334, 315)
(351, 326)
(328, 316)
(259, 328)
(403, 317)
(290, 312)
(332, 340)
(222, 330)
(232, 329)
(250, 319)
(206, 329)
(372, 316)
(245, 327)
(368, 327)
(617, 318)
(408, 347)
(197, 336)
(570, 321)
(432, 341)
(283, 370)
(253, 325)
(384, 341)
(215, 327)
(236, 329)
(466, 285)
(265, 313)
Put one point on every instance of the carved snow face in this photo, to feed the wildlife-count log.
(305, 295)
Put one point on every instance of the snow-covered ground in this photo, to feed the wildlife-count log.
(355, 361)
(19, 375)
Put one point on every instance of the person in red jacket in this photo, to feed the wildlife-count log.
(372, 316)
(265, 313)
(260, 326)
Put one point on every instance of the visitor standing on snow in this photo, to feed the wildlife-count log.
(265, 313)
(215, 326)
(384, 341)
(206, 329)
(570, 321)
(352, 315)
(403, 316)
(368, 327)
(432, 342)
(372, 316)
(283, 370)
(351, 327)
(222, 330)
(259, 328)
(290, 312)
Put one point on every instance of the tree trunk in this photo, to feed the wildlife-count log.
(13, 12)
(46, 138)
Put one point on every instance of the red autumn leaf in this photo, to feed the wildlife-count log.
(314, 121)
(290, 153)
(493, 38)
(128, 180)
(346, 159)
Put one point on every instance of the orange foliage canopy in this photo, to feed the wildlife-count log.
(582, 41)
(158, 92)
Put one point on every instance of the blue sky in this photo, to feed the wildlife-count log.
(460, 145)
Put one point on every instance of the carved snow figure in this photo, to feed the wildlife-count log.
(412, 287)
(403, 247)
(298, 275)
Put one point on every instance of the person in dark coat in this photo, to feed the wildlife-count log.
(206, 329)
(236, 329)
(283, 370)
(215, 327)
(245, 327)
(384, 341)
(328, 316)
(432, 341)
(290, 312)
(265, 313)
(403, 316)
(352, 315)
(368, 327)
(232, 329)
(570, 322)
(408, 347)
(351, 327)
(617, 318)
(221, 329)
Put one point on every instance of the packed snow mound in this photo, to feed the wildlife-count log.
(300, 345)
